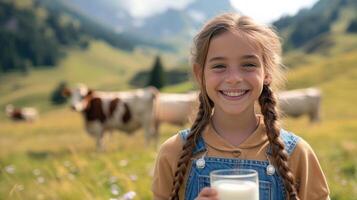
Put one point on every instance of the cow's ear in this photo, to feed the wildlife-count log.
(66, 92)
(90, 92)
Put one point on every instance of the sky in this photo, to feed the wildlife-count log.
(269, 10)
(264, 11)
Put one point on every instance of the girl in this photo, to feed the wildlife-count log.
(237, 63)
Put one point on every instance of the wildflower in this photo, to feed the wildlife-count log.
(67, 163)
(20, 187)
(115, 190)
(129, 195)
(40, 179)
(123, 163)
(71, 176)
(10, 169)
(36, 172)
(113, 179)
(133, 177)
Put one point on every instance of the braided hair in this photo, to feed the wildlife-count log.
(202, 119)
(267, 103)
(268, 41)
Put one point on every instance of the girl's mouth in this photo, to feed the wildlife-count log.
(233, 95)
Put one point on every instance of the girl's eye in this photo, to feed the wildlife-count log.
(249, 65)
(218, 67)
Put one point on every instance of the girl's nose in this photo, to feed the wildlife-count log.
(233, 76)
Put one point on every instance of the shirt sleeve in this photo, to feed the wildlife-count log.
(165, 167)
(310, 179)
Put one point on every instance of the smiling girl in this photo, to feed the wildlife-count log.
(237, 64)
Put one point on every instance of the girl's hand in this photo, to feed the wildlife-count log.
(207, 193)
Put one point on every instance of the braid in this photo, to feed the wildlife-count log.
(201, 120)
(267, 102)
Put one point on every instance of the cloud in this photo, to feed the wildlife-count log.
(145, 8)
(267, 11)
(261, 10)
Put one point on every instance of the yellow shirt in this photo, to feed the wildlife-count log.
(303, 162)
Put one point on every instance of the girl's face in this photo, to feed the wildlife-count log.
(234, 73)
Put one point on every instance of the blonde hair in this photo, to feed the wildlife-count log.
(268, 42)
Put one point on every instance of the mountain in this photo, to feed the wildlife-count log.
(320, 46)
(311, 29)
(173, 26)
(85, 12)
(34, 33)
(111, 13)
(174, 23)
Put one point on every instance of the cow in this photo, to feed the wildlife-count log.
(295, 103)
(29, 114)
(175, 108)
(106, 111)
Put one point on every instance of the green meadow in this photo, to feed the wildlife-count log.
(54, 158)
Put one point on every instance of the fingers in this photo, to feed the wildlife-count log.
(207, 198)
(207, 194)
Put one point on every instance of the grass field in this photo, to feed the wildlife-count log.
(54, 158)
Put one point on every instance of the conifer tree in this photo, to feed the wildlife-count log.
(57, 97)
(157, 74)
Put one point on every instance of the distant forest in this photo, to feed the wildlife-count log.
(34, 36)
(310, 24)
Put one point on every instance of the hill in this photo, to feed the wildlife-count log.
(35, 33)
(173, 26)
(325, 18)
(100, 66)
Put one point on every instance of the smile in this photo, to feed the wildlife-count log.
(234, 94)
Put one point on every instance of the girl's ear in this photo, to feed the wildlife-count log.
(267, 79)
(197, 70)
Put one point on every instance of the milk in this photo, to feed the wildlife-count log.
(236, 190)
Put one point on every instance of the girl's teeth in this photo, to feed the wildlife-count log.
(234, 94)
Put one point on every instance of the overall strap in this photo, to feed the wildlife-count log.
(290, 140)
(200, 143)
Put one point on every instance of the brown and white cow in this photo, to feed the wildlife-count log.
(106, 111)
(29, 114)
(299, 102)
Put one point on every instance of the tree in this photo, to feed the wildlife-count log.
(157, 74)
(57, 97)
(352, 28)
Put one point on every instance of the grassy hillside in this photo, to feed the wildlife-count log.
(100, 67)
(56, 147)
(334, 139)
(54, 158)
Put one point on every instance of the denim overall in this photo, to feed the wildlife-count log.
(271, 185)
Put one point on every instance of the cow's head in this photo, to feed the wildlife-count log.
(9, 109)
(80, 96)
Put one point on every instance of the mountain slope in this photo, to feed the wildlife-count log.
(100, 66)
(177, 27)
(173, 26)
(34, 32)
(326, 17)
(97, 28)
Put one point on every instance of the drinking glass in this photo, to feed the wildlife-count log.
(236, 184)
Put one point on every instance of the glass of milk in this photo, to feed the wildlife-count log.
(234, 184)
